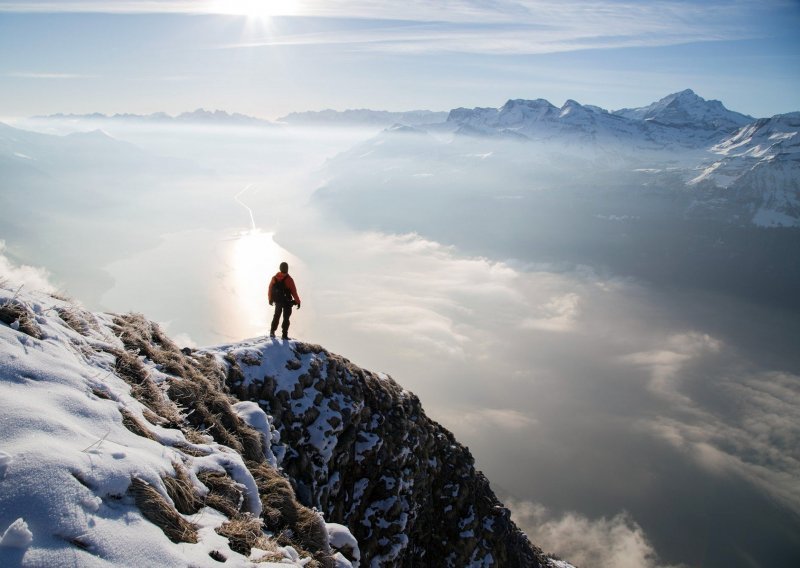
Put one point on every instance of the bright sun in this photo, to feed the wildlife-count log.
(256, 9)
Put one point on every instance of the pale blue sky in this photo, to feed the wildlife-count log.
(132, 56)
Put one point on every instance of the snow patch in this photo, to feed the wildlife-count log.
(340, 537)
(231, 463)
(256, 418)
(17, 535)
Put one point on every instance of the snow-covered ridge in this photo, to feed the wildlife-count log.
(117, 448)
(95, 457)
(678, 121)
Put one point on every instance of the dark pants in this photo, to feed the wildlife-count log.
(287, 313)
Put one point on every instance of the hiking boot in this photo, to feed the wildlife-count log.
(272, 334)
(285, 336)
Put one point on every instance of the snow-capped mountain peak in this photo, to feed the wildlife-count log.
(574, 109)
(686, 109)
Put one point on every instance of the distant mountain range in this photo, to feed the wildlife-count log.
(738, 166)
(679, 121)
(328, 117)
(200, 116)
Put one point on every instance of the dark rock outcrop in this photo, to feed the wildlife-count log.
(360, 448)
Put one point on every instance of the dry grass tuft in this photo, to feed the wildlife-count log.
(278, 502)
(129, 367)
(140, 335)
(152, 417)
(224, 493)
(133, 371)
(181, 490)
(133, 424)
(15, 311)
(310, 531)
(74, 319)
(58, 295)
(244, 531)
(195, 437)
(191, 451)
(101, 393)
(158, 511)
(211, 411)
(283, 513)
(136, 334)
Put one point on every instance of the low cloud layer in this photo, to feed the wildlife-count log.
(616, 542)
(630, 415)
(16, 274)
(757, 439)
(564, 381)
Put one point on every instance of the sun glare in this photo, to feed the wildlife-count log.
(256, 9)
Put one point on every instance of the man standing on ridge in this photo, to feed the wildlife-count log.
(283, 293)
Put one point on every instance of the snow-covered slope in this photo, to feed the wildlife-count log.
(95, 456)
(117, 448)
(758, 167)
(765, 139)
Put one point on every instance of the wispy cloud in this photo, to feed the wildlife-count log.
(105, 7)
(469, 26)
(45, 75)
(535, 36)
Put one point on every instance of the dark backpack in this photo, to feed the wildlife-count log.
(281, 293)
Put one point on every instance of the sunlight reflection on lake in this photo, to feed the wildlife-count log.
(175, 282)
(255, 259)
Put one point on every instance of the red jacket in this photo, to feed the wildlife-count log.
(287, 280)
